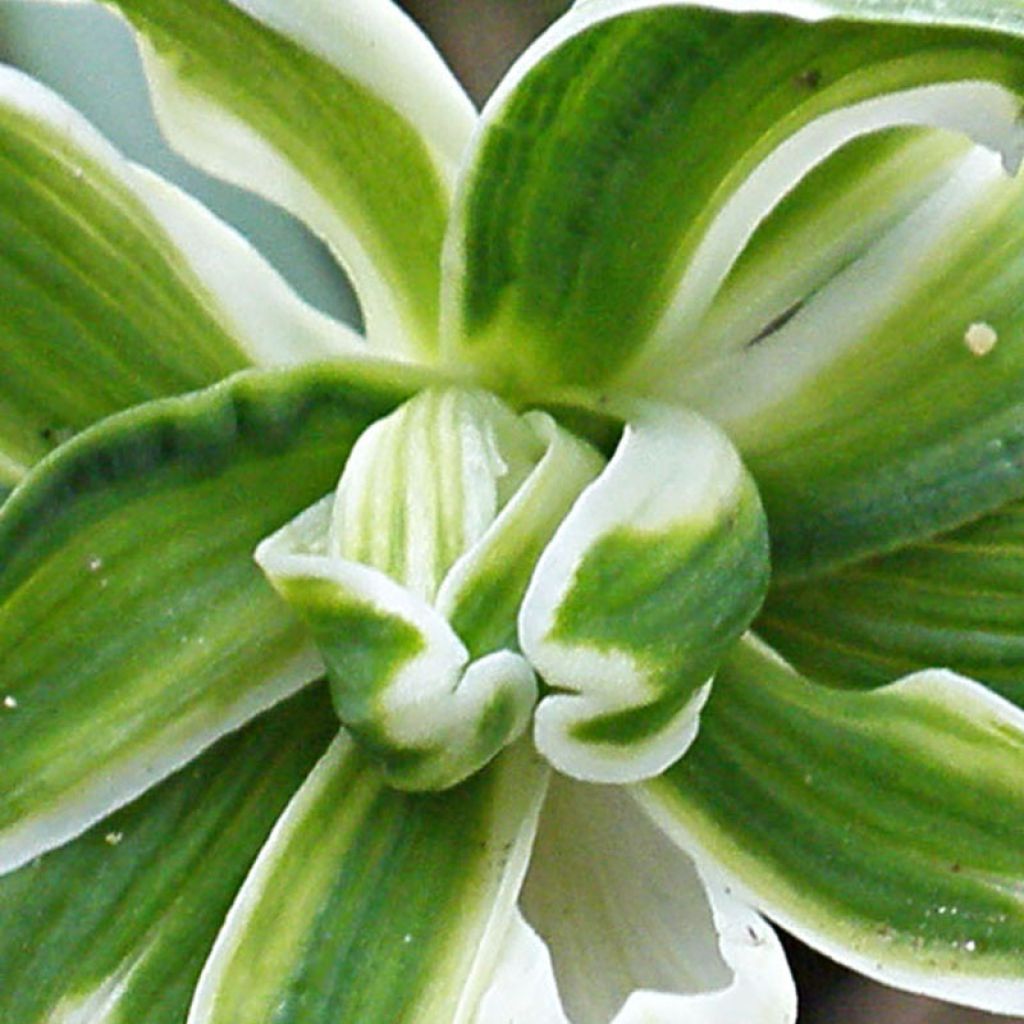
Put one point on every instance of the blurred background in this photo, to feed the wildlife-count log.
(86, 55)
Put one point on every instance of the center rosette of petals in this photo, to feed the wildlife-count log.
(410, 576)
(468, 549)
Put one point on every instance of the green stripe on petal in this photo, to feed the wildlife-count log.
(342, 113)
(956, 600)
(659, 567)
(374, 906)
(116, 926)
(888, 407)
(117, 288)
(590, 238)
(134, 626)
(883, 827)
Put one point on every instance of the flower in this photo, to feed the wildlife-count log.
(698, 285)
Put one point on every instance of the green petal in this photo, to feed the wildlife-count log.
(659, 567)
(888, 407)
(342, 113)
(117, 288)
(956, 600)
(115, 926)
(885, 828)
(589, 238)
(410, 579)
(134, 626)
(373, 906)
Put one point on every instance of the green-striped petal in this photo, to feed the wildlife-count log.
(375, 906)
(410, 578)
(114, 928)
(589, 238)
(342, 113)
(888, 407)
(116, 287)
(955, 600)
(134, 626)
(658, 568)
(886, 828)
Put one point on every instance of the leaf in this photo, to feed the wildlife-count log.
(116, 925)
(883, 827)
(134, 627)
(374, 906)
(117, 287)
(955, 601)
(659, 567)
(341, 113)
(545, 288)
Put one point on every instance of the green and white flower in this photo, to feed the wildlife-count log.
(661, 543)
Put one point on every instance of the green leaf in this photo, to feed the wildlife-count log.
(116, 925)
(956, 601)
(410, 577)
(590, 238)
(886, 828)
(375, 906)
(659, 567)
(134, 626)
(341, 113)
(117, 288)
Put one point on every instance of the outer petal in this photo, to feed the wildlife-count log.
(116, 287)
(659, 567)
(134, 626)
(114, 927)
(634, 934)
(589, 238)
(956, 600)
(884, 828)
(342, 113)
(373, 906)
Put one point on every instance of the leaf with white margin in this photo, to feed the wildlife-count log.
(430, 704)
(114, 927)
(955, 600)
(376, 906)
(884, 828)
(117, 287)
(660, 566)
(542, 288)
(635, 934)
(134, 628)
(343, 113)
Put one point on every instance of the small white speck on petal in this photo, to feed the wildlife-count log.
(113, 838)
(980, 338)
(10, 702)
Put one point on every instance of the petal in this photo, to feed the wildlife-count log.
(956, 600)
(634, 934)
(115, 926)
(432, 690)
(374, 906)
(117, 288)
(588, 238)
(883, 828)
(659, 567)
(888, 406)
(344, 114)
(134, 626)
